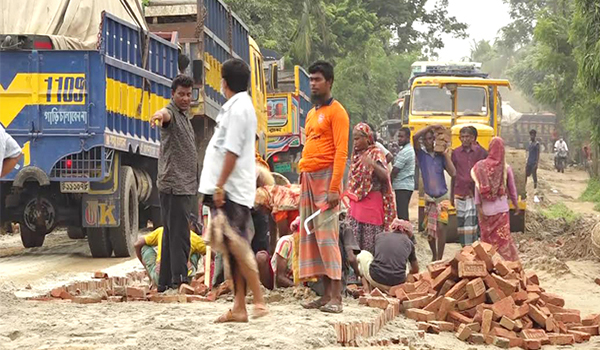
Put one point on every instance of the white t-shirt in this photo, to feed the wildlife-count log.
(382, 149)
(9, 148)
(561, 146)
(235, 132)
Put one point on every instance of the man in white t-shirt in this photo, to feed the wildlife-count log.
(228, 183)
(10, 152)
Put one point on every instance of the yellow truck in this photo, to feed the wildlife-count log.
(457, 95)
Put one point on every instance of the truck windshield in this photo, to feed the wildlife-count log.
(433, 100)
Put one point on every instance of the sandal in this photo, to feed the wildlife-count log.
(229, 317)
(315, 304)
(332, 308)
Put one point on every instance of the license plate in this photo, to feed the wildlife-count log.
(74, 187)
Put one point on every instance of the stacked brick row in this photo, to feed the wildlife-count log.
(485, 299)
(121, 289)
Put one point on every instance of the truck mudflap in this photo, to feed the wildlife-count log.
(101, 211)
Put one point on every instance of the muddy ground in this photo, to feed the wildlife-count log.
(143, 325)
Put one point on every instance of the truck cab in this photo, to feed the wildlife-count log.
(456, 95)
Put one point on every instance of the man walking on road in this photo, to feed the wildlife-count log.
(432, 165)
(533, 157)
(463, 186)
(403, 174)
(321, 172)
(177, 182)
(228, 183)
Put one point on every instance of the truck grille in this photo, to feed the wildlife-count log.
(88, 165)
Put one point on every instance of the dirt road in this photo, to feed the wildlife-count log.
(144, 325)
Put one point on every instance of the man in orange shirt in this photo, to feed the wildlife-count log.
(321, 172)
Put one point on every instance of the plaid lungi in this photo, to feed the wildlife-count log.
(466, 217)
(319, 252)
(436, 211)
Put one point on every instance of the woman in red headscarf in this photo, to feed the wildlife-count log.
(372, 205)
(495, 183)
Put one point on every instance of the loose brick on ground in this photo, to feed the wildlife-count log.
(378, 302)
(100, 274)
(136, 292)
(502, 343)
(591, 330)
(532, 344)
(537, 316)
(580, 337)
(418, 303)
(508, 287)
(115, 299)
(483, 255)
(472, 269)
(420, 315)
(471, 303)
(87, 299)
(486, 324)
(443, 276)
(591, 320)
(477, 339)
(446, 287)
(507, 323)
(551, 325)
(495, 295)
(456, 317)
(490, 282)
(475, 288)
(504, 307)
(446, 306)
(463, 333)
(434, 305)
(458, 289)
(437, 267)
(538, 334)
(187, 289)
(443, 326)
(501, 268)
(567, 317)
(561, 339)
(532, 278)
(553, 299)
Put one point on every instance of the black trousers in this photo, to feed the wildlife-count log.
(175, 248)
(402, 203)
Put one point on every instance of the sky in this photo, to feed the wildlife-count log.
(484, 18)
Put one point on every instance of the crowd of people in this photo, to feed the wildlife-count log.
(324, 230)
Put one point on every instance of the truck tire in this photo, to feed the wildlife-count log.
(99, 242)
(124, 236)
(31, 238)
(75, 232)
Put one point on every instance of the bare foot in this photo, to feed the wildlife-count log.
(259, 311)
(229, 316)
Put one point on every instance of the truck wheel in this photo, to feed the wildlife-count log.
(124, 236)
(75, 232)
(99, 242)
(31, 238)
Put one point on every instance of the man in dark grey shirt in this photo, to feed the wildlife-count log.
(177, 182)
(392, 252)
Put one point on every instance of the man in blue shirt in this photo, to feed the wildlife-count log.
(533, 157)
(403, 173)
(432, 165)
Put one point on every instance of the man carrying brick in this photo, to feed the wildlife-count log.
(463, 186)
(148, 250)
(321, 171)
(432, 165)
(392, 251)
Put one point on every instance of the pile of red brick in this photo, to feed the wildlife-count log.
(485, 299)
(130, 288)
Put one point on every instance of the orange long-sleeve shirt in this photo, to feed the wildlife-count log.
(327, 130)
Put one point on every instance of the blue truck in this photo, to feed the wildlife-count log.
(82, 119)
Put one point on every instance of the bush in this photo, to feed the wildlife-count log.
(558, 211)
(592, 192)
